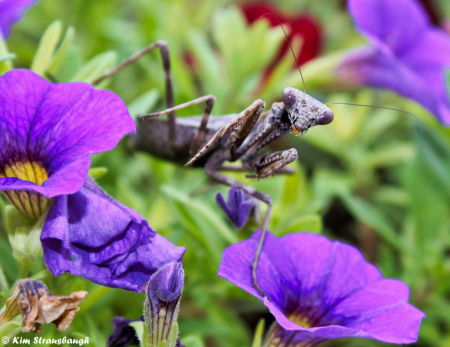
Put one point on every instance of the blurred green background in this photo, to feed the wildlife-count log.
(373, 178)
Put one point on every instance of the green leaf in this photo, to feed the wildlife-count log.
(435, 152)
(192, 341)
(25, 261)
(10, 330)
(8, 262)
(283, 67)
(370, 215)
(391, 195)
(257, 339)
(139, 327)
(144, 103)
(390, 154)
(174, 336)
(5, 63)
(295, 191)
(428, 236)
(14, 220)
(97, 172)
(374, 126)
(204, 211)
(7, 56)
(47, 45)
(208, 67)
(309, 223)
(141, 332)
(96, 67)
(3, 281)
(62, 51)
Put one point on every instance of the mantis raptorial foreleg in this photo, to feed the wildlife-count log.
(285, 170)
(239, 127)
(268, 164)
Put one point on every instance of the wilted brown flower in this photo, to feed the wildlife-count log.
(38, 306)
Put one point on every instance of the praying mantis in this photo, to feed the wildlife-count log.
(211, 142)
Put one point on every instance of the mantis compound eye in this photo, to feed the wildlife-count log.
(289, 97)
(325, 118)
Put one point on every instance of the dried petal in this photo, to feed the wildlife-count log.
(38, 306)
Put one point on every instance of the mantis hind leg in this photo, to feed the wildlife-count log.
(165, 56)
(211, 171)
(200, 133)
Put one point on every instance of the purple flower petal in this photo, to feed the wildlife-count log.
(11, 11)
(339, 293)
(238, 207)
(56, 126)
(330, 272)
(124, 334)
(276, 272)
(407, 55)
(90, 234)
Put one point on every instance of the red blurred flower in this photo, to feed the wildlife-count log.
(299, 25)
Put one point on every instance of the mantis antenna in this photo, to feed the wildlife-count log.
(290, 45)
(333, 103)
(381, 107)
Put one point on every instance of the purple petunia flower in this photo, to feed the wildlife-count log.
(47, 134)
(407, 54)
(91, 235)
(11, 11)
(238, 207)
(322, 290)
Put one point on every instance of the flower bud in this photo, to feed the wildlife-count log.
(162, 304)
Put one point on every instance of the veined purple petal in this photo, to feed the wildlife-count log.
(339, 293)
(90, 234)
(11, 11)
(276, 272)
(330, 272)
(56, 126)
(407, 55)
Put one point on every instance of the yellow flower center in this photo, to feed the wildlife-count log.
(279, 337)
(300, 320)
(31, 204)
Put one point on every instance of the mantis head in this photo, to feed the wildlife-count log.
(304, 111)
